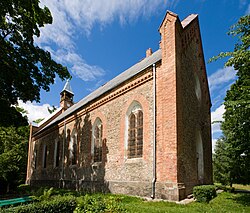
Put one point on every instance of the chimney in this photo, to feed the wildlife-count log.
(66, 99)
(148, 52)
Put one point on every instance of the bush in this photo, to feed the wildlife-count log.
(99, 203)
(47, 193)
(204, 193)
(43, 193)
(60, 204)
(24, 189)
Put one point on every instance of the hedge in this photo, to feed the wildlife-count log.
(62, 204)
(99, 203)
(204, 193)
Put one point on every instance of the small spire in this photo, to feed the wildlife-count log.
(66, 99)
(67, 87)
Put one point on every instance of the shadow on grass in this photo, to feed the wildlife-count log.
(243, 199)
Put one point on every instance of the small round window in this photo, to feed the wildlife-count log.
(197, 87)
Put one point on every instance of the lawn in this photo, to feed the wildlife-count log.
(224, 202)
(242, 187)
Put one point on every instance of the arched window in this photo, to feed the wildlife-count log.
(96, 148)
(135, 131)
(73, 147)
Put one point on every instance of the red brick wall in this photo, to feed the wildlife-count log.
(179, 115)
(193, 113)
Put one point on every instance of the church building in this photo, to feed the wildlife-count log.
(147, 132)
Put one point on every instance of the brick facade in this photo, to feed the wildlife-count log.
(183, 129)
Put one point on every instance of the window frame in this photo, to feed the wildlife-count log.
(137, 130)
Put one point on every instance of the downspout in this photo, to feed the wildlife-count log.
(154, 133)
(63, 154)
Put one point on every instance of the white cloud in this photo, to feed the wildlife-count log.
(214, 140)
(78, 66)
(86, 14)
(35, 111)
(217, 115)
(220, 77)
(216, 128)
(71, 17)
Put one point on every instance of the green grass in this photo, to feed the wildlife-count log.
(243, 187)
(224, 202)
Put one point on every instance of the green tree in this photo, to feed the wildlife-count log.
(37, 121)
(221, 163)
(236, 124)
(13, 155)
(25, 68)
(11, 116)
(52, 109)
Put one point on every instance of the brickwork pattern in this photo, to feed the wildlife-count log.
(181, 111)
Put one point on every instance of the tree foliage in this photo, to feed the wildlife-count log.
(221, 163)
(236, 124)
(25, 68)
(11, 115)
(13, 154)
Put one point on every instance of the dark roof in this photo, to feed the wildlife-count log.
(127, 74)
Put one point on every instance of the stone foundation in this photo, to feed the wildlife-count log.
(166, 191)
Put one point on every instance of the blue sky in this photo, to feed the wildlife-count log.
(97, 40)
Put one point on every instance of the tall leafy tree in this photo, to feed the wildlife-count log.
(13, 155)
(221, 163)
(25, 68)
(236, 124)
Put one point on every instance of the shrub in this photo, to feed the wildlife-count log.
(60, 204)
(24, 189)
(204, 193)
(99, 203)
(37, 192)
(47, 193)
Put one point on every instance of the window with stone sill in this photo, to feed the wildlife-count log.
(96, 148)
(135, 132)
